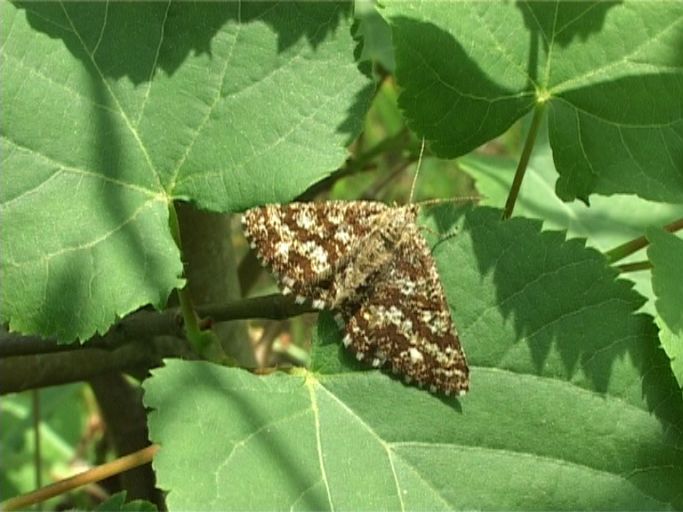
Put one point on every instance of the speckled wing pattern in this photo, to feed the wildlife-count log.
(305, 243)
(371, 264)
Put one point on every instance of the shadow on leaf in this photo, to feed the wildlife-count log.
(529, 301)
(134, 39)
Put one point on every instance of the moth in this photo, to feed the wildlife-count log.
(371, 264)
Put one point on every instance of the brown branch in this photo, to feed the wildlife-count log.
(135, 344)
(140, 326)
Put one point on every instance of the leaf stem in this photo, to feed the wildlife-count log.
(90, 476)
(186, 306)
(628, 248)
(524, 160)
(187, 310)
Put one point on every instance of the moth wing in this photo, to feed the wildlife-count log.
(404, 323)
(304, 243)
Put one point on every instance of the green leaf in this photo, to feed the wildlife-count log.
(673, 346)
(375, 34)
(609, 71)
(572, 404)
(113, 110)
(666, 253)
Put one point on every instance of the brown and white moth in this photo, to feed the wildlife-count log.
(370, 263)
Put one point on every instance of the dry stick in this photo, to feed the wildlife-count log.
(628, 248)
(93, 475)
(523, 161)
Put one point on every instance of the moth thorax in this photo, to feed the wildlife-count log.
(396, 225)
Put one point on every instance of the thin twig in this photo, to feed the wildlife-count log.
(628, 248)
(90, 476)
(141, 326)
(37, 452)
(373, 191)
(634, 267)
(355, 165)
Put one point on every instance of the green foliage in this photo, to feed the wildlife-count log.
(607, 222)
(112, 112)
(117, 503)
(566, 381)
(63, 414)
(227, 105)
(609, 72)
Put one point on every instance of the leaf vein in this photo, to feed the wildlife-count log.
(316, 418)
(120, 109)
(152, 69)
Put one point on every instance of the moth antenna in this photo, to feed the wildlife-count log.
(417, 171)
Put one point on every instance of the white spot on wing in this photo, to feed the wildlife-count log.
(415, 355)
(282, 248)
(342, 235)
(304, 219)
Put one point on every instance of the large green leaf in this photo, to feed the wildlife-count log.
(112, 110)
(610, 73)
(572, 404)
